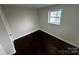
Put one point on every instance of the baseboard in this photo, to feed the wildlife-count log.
(51, 35)
(61, 39)
(13, 52)
(42, 42)
(21, 37)
(25, 34)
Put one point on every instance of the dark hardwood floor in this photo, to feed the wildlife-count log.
(41, 43)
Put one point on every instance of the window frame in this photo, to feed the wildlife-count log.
(49, 16)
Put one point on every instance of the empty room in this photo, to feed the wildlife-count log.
(39, 29)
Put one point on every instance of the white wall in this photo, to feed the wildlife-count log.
(69, 28)
(6, 45)
(22, 21)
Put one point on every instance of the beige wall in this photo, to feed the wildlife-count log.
(22, 21)
(69, 28)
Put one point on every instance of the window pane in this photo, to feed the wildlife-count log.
(58, 13)
(57, 20)
(53, 14)
(52, 20)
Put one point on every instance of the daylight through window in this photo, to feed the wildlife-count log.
(54, 17)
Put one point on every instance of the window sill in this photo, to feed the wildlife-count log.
(54, 23)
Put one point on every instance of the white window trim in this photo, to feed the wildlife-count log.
(49, 16)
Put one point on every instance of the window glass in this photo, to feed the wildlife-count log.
(58, 14)
(53, 14)
(55, 17)
(52, 19)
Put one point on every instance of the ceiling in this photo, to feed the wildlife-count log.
(29, 5)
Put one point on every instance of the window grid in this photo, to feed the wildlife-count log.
(54, 17)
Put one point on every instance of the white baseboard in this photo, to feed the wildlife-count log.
(25, 34)
(13, 52)
(51, 35)
(62, 39)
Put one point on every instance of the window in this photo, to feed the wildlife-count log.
(54, 17)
